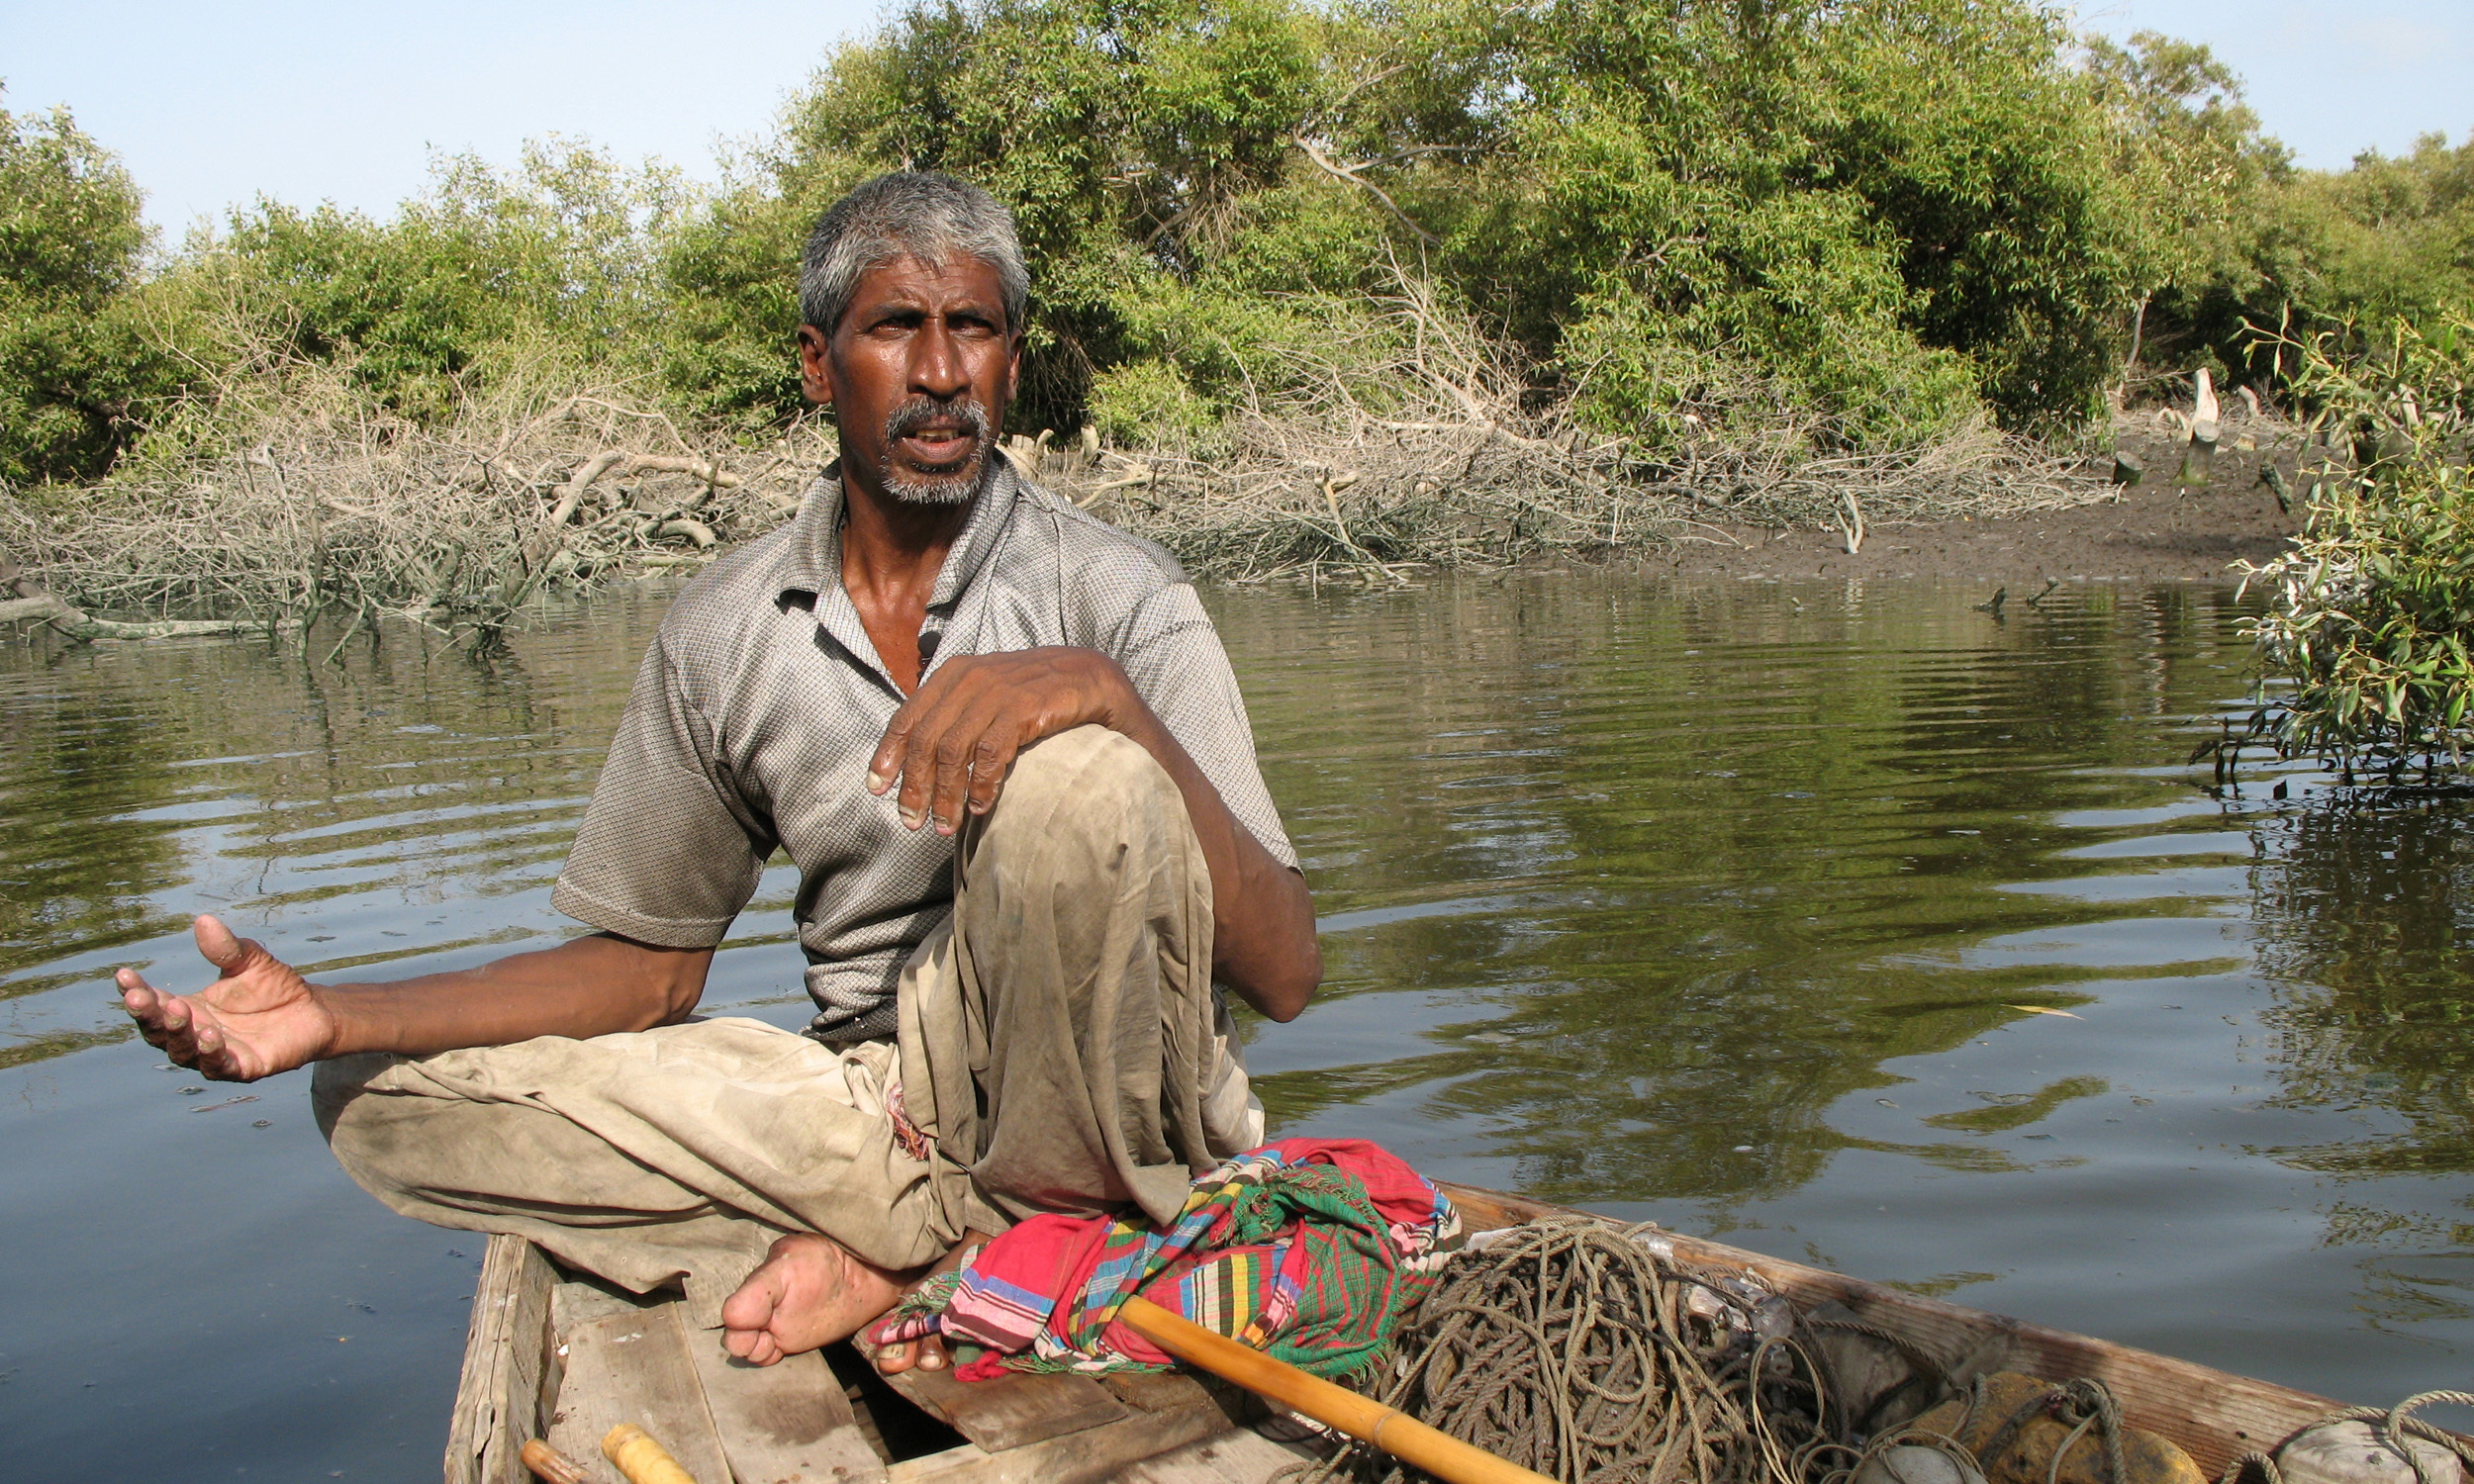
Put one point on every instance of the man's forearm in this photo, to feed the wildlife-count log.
(586, 986)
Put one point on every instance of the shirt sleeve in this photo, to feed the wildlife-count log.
(669, 853)
(1169, 651)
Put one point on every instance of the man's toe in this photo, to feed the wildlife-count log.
(755, 1302)
(926, 1354)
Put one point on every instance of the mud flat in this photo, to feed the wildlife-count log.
(2151, 532)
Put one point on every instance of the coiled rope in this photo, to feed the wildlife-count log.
(1579, 1351)
(2389, 1424)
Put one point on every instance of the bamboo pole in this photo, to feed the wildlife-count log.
(634, 1453)
(549, 1465)
(1360, 1416)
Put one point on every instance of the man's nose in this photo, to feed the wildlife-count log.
(937, 363)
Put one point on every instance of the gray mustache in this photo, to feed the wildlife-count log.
(919, 413)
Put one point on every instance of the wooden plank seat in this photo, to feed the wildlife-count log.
(563, 1358)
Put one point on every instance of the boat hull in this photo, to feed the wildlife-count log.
(551, 1356)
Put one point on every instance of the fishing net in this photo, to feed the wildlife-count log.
(1584, 1353)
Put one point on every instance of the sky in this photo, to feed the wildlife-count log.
(2329, 77)
(213, 103)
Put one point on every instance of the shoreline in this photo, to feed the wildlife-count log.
(2149, 532)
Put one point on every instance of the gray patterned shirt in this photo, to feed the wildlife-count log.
(762, 699)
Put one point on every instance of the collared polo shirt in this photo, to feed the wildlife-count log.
(762, 699)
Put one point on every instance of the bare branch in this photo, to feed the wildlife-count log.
(1345, 173)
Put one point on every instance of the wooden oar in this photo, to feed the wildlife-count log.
(1360, 1416)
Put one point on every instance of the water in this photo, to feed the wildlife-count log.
(1730, 907)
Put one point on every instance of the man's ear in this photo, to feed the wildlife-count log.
(816, 371)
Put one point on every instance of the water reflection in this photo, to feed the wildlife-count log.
(1762, 865)
(1746, 909)
(2365, 908)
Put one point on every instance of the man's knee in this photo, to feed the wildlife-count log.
(1089, 779)
(335, 1083)
(1091, 760)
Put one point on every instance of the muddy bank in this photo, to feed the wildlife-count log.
(2150, 533)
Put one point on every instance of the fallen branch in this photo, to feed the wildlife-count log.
(1427, 448)
(35, 603)
(453, 525)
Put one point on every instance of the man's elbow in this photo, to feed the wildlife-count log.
(683, 986)
(669, 984)
(1286, 998)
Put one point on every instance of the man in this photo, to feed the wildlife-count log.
(1005, 750)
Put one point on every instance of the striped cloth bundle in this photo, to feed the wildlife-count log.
(1310, 1250)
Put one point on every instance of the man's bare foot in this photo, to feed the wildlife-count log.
(809, 1291)
(928, 1351)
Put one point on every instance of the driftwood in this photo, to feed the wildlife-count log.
(1411, 441)
(33, 603)
(335, 511)
(1403, 439)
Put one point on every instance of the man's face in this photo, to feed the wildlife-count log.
(918, 375)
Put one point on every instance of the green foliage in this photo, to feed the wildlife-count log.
(729, 278)
(2190, 160)
(1666, 207)
(73, 362)
(556, 253)
(1135, 141)
(2375, 602)
(1890, 212)
(1867, 223)
(2389, 238)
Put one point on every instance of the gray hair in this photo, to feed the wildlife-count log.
(924, 215)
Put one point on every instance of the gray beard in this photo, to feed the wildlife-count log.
(958, 487)
(961, 485)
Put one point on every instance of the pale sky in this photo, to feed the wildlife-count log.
(2329, 78)
(212, 104)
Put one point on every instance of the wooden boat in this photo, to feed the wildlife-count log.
(563, 1359)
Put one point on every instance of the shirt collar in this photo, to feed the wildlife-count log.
(814, 560)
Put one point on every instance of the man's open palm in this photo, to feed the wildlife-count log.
(259, 1017)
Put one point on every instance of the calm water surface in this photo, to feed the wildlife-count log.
(1731, 907)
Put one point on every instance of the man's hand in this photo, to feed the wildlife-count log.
(951, 745)
(259, 1017)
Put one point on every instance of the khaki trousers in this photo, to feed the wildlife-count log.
(1060, 1048)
